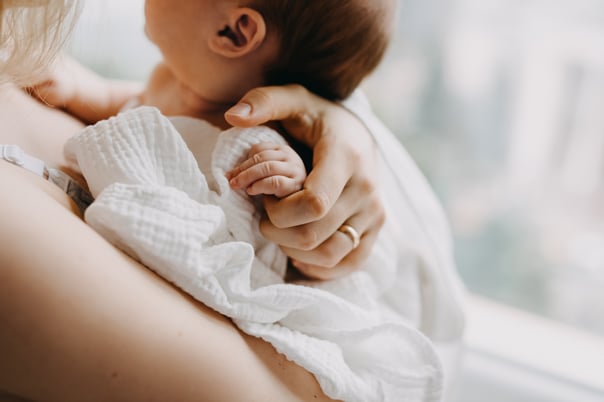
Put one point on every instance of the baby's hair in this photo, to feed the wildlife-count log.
(328, 46)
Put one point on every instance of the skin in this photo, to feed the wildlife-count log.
(271, 169)
(310, 236)
(207, 81)
(304, 223)
(64, 82)
(335, 192)
(209, 70)
(82, 321)
(57, 348)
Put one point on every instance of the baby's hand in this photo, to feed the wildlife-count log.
(270, 169)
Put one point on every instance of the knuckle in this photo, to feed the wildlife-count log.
(257, 158)
(308, 238)
(318, 204)
(299, 179)
(379, 209)
(367, 186)
(356, 156)
(297, 89)
(261, 95)
(254, 149)
(285, 149)
(267, 170)
(275, 182)
(378, 206)
(330, 256)
(265, 227)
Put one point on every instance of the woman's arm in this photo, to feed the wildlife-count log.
(81, 92)
(341, 189)
(82, 321)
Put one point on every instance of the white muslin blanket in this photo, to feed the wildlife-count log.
(162, 197)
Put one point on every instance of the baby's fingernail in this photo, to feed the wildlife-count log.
(240, 109)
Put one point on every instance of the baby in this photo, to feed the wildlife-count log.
(214, 51)
(161, 194)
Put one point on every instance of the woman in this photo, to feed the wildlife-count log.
(82, 321)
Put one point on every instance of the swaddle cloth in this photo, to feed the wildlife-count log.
(166, 202)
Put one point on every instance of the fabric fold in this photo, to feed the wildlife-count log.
(161, 196)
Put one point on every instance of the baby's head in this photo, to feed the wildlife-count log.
(328, 46)
(220, 49)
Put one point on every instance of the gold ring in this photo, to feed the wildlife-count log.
(352, 234)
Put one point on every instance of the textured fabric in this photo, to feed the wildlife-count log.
(162, 197)
(417, 221)
(14, 154)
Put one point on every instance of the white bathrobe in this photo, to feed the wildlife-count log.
(162, 197)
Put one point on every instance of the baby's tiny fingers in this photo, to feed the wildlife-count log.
(279, 186)
(255, 159)
(261, 171)
(263, 146)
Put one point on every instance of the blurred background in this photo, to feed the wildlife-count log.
(501, 103)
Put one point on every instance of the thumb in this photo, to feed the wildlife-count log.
(274, 103)
(299, 111)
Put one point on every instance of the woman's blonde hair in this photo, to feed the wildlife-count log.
(31, 34)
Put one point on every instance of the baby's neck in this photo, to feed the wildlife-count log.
(199, 107)
(173, 98)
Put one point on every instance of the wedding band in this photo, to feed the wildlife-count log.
(352, 234)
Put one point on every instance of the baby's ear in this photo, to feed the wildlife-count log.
(243, 33)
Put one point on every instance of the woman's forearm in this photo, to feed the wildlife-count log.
(82, 321)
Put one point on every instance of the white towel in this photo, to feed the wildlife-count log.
(170, 206)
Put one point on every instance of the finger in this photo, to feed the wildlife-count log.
(348, 262)
(334, 163)
(261, 105)
(264, 146)
(310, 235)
(347, 265)
(337, 246)
(255, 159)
(315, 246)
(323, 187)
(278, 186)
(265, 170)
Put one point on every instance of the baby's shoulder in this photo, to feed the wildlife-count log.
(159, 81)
(160, 73)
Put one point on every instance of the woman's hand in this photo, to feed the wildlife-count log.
(340, 190)
(84, 94)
